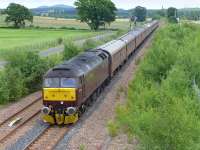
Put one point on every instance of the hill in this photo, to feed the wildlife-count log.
(65, 11)
(59, 11)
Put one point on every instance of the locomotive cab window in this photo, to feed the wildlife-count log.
(69, 82)
(51, 82)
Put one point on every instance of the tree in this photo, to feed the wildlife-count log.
(140, 13)
(18, 14)
(96, 12)
(172, 14)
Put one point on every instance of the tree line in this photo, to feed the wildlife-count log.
(98, 13)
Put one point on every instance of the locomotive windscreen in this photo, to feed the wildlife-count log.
(60, 82)
(69, 82)
(52, 82)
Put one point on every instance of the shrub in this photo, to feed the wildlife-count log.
(172, 19)
(89, 44)
(82, 147)
(12, 85)
(15, 83)
(70, 50)
(4, 91)
(24, 74)
(31, 66)
(60, 40)
(53, 60)
(112, 128)
(162, 109)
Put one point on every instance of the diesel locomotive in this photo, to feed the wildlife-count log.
(73, 85)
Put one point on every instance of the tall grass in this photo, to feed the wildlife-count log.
(163, 110)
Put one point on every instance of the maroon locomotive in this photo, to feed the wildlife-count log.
(72, 86)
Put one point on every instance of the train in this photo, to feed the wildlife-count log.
(69, 88)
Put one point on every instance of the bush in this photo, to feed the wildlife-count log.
(163, 109)
(23, 75)
(70, 50)
(4, 91)
(31, 66)
(53, 60)
(89, 44)
(60, 40)
(112, 128)
(15, 83)
(12, 85)
(172, 19)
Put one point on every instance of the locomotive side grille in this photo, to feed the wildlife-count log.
(59, 94)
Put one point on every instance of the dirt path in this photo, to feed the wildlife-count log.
(93, 134)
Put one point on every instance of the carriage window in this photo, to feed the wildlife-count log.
(69, 82)
(102, 55)
(51, 82)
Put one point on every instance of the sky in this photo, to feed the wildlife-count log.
(125, 4)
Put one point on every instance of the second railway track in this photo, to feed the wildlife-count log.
(26, 115)
(9, 114)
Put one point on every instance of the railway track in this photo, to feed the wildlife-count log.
(14, 115)
(25, 115)
(53, 134)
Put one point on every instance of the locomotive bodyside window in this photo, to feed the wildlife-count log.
(69, 82)
(52, 82)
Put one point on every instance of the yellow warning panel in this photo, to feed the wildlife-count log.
(59, 94)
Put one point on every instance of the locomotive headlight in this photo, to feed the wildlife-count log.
(46, 110)
(71, 110)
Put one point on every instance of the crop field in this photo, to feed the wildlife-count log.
(73, 23)
(69, 23)
(37, 38)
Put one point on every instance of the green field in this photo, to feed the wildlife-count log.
(38, 38)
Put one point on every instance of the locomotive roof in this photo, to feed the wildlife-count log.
(77, 66)
(113, 46)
